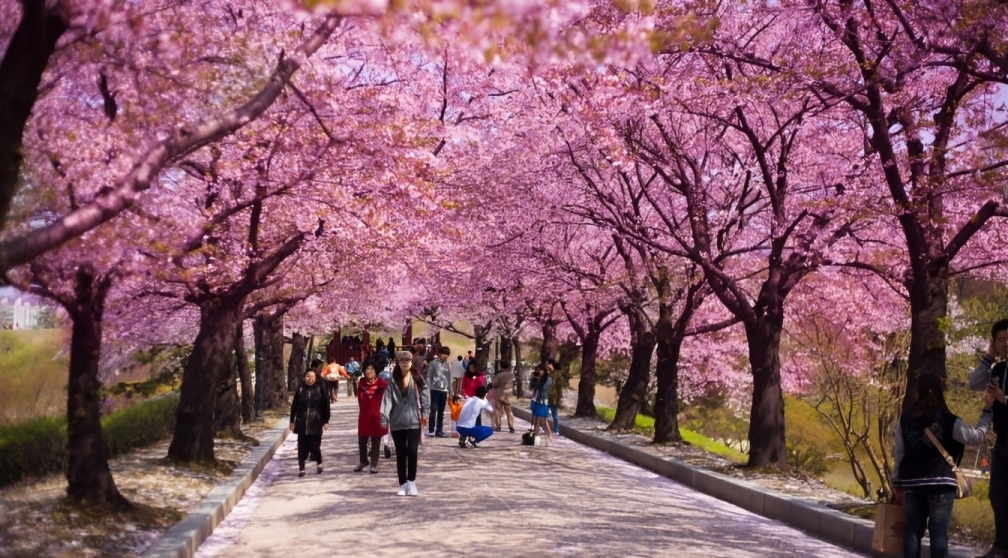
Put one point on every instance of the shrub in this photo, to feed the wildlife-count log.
(975, 515)
(807, 459)
(38, 447)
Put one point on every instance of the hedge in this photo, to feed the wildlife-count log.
(38, 447)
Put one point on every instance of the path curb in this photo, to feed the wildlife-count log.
(819, 521)
(182, 540)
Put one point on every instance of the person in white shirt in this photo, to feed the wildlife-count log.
(470, 435)
(457, 371)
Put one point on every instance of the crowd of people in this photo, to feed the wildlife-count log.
(403, 395)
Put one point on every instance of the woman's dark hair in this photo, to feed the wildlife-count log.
(400, 379)
(370, 362)
(472, 370)
(315, 363)
(930, 395)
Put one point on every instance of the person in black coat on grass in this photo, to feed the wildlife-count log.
(309, 417)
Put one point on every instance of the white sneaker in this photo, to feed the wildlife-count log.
(403, 488)
(411, 488)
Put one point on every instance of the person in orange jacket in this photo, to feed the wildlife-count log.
(331, 374)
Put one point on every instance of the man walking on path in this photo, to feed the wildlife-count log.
(438, 378)
(353, 369)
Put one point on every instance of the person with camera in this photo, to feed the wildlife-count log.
(540, 384)
(990, 376)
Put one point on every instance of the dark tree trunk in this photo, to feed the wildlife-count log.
(296, 365)
(244, 376)
(208, 366)
(551, 344)
(227, 412)
(516, 343)
(642, 345)
(766, 422)
(482, 354)
(928, 310)
(88, 476)
(586, 385)
(21, 70)
(271, 382)
(506, 349)
(670, 336)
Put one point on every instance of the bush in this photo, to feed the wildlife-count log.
(38, 447)
(32, 448)
(976, 516)
(807, 459)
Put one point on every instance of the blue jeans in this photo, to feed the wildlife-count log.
(555, 411)
(478, 433)
(438, 399)
(930, 508)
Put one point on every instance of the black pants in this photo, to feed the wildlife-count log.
(308, 446)
(362, 444)
(999, 493)
(407, 444)
(438, 400)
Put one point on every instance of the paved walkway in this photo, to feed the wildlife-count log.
(500, 499)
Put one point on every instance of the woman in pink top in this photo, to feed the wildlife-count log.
(470, 381)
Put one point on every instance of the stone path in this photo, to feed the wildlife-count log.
(500, 499)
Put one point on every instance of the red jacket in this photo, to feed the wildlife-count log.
(369, 419)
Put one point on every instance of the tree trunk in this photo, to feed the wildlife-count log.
(208, 365)
(24, 61)
(586, 385)
(482, 354)
(642, 345)
(227, 412)
(244, 376)
(88, 476)
(271, 382)
(666, 409)
(516, 343)
(551, 344)
(766, 421)
(928, 311)
(506, 348)
(296, 365)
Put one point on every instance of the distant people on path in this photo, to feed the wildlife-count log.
(354, 372)
(922, 477)
(470, 433)
(457, 371)
(391, 346)
(501, 390)
(990, 376)
(404, 411)
(309, 417)
(332, 374)
(439, 379)
(370, 394)
(539, 385)
(558, 381)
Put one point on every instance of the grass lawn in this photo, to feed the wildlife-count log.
(33, 373)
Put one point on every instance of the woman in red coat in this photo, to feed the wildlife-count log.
(369, 429)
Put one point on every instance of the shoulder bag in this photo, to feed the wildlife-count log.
(963, 488)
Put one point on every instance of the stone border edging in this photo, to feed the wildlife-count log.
(820, 521)
(182, 540)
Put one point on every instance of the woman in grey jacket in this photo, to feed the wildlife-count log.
(404, 411)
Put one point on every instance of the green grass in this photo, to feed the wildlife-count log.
(33, 374)
(645, 426)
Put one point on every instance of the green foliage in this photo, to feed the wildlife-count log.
(975, 515)
(807, 459)
(644, 425)
(38, 447)
(712, 416)
(140, 425)
(32, 448)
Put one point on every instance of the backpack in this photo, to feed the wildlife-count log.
(528, 439)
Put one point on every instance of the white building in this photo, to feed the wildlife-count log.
(19, 314)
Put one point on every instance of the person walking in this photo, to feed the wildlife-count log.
(922, 478)
(991, 375)
(332, 374)
(457, 371)
(404, 411)
(353, 369)
(438, 378)
(501, 388)
(471, 434)
(309, 417)
(370, 393)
